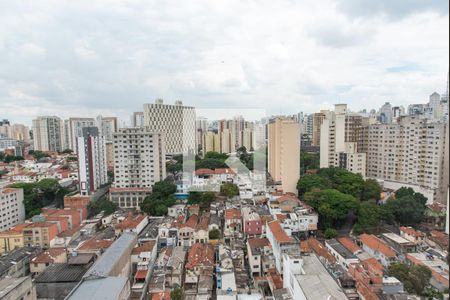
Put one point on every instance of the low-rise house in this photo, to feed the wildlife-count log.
(201, 233)
(12, 238)
(16, 263)
(200, 262)
(47, 258)
(398, 243)
(233, 222)
(412, 234)
(94, 246)
(186, 232)
(253, 226)
(17, 288)
(214, 222)
(439, 268)
(40, 234)
(343, 256)
(132, 223)
(378, 249)
(175, 210)
(175, 267)
(257, 248)
(146, 252)
(280, 241)
(368, 275)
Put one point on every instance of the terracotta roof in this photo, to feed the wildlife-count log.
(281, 217)
(440, 237)
(375, 243)
(321, 250)
(146, 247)
(278, 232)
(191, 222)
(373, 263)
(304, 247)
(141, 274)
(48, 256)
(16, 229)
(41, 224)
(366, 292)
(224, 171)
(70, 232)
(411, 231)
(287, 198)
(204, 222)
(232, 213)
(200, 255)
(9, 190)
(275, 278)
(94, 244)
(161, 296)
(130, 222)
(204, 171)
(258, 244)
(348, 243)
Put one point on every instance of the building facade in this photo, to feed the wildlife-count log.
(13, 211)
(47, 133)
(176, 122)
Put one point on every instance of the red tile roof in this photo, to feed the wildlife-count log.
(348, 243)
(279, 233)
(375, 243)
(130, 222)
(232, 213)
(200, 255)
(141, 274)
(48, 256)
(94, 244)
(161, 296)
(191, 222)
(321, 250)
(411, 231)
(146, 247)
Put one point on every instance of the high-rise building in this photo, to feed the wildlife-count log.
(386, 113)
(177, 122)
(92, 169)
(13, 211)
(139, 162)
(211, 142)
(410, 153)
(107, 126)
(137, 120)
(435, 106)
(316, 120)
(47, 133)
(139, 158)
(73, 129)
(284, 152)
(341, 137)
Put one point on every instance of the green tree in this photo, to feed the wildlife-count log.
(229, 189)
(103, 204)
(369, 216)
(177, 294)
(408, 210)
(210, 163)
(38, 154)
(157, 203)
(7, 159)
(371, 190)
(214, 234)
(216, 155)
(344, 181)
(67, 151)
(415, 279)
(174, 168)
(333, 206)
(309, 161)
(308, 182)
(330, 233)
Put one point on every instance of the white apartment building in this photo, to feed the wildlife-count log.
(411, 152)
(73, 129)
(107, 126)
(139, 158)
(12, 209)
(176, 122)
(92, 168)
(47, 133)
(341, 134)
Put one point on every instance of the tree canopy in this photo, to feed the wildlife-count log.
(103, 204)
(414, 278)
(407, 206)
(332, 205)
(157, 203)
(309, 161)
(229, 189)
(204, 199)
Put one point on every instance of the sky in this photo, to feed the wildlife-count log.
(87, 57)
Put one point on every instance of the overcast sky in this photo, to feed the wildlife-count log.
(83, 58)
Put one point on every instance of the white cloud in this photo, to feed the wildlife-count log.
(76, 58)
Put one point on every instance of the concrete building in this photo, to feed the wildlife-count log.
(177, 122)
(92, 168)
(107, 126)
(386, 114)
(341, 137)
(13, 211)
(17, 288)
(284, 153)
(73, 129)
(316, 120)
(411, 153)
(47, 133)
(137, 120)
(307, 279)
(139, 158)
(281, 243)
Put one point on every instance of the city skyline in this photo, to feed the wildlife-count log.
(302, 56)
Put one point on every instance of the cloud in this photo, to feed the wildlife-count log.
(82, 58)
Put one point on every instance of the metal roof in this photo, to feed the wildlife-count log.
(106, 288)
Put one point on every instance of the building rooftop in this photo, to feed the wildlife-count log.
(146, 247)
(339, 248)
(349, 244)
(17, 255)
(316, 283)
(397, 239)
(99, 288)
(8, 284)
(375, 243)
(279, 234)
(105, 264)
(257, 245)
(61, 273)
(49, 255)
